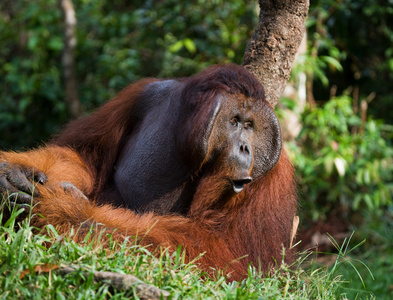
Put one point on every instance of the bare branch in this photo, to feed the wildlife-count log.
(123, 282)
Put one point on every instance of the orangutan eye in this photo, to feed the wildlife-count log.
(248, 125)
(235, 121)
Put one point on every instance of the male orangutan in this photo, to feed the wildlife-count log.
(195, 162)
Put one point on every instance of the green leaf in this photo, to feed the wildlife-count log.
(369, 201)
(340, 165)
(32, 43)
(332, 62)
(55, 43)
(176, 46)
(190, 45)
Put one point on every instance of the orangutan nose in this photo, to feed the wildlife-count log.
(243, 155)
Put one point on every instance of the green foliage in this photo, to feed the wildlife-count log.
(321, 56)
(356, 272)
(124, 42)
(343, 164)
(30, 87)
(378, 253)
(360, 33)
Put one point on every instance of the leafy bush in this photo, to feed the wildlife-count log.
(30, 86)
(364, 49)
(343, 164)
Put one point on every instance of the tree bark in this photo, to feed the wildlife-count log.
(68, 58)
(272, 48)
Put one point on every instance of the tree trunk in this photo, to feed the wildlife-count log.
(272, 48)
(68, 58)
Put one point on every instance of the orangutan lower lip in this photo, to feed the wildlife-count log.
(238, 184)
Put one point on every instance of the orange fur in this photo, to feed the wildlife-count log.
(241, 227)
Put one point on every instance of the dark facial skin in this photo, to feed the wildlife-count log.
(235, 131)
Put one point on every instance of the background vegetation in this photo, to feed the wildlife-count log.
(343, 152)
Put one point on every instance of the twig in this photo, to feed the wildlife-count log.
(122, 282)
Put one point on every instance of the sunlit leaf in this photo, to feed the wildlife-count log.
(190, 45)
(176, 46)
(340, 165)
(333, 62)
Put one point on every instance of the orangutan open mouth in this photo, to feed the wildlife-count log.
(238, 184)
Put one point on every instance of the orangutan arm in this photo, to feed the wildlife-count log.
(21, 174)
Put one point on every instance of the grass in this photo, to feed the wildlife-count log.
(27, 254)
(378, 253)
